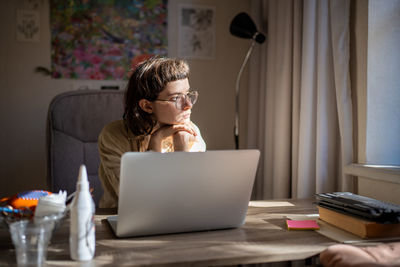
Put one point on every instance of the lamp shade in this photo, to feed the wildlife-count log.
(243, 26)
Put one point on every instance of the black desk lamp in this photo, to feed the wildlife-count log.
(243, 26)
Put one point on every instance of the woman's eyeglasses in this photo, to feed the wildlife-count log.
(181, 100)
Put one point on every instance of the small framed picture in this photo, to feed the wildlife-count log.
(28, 25)
(196, 31)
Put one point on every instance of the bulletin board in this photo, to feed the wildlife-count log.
(104, 39)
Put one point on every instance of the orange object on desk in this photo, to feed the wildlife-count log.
(25, 200)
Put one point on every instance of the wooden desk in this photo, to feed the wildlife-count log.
(263, 238)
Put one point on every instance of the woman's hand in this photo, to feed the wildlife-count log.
(182, 134)
(182, 140)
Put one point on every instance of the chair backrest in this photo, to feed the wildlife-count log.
(74, 122)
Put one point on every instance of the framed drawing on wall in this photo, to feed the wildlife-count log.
(196, 31)
(28, 25)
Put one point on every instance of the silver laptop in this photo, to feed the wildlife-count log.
(162, 193)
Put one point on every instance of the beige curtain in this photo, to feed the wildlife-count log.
(300, 99)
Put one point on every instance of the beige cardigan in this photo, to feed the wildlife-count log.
(114, 140)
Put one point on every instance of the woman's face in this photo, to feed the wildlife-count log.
(166, 112)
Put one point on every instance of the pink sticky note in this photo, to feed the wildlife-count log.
(302, 225)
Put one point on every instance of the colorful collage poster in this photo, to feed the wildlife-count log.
(105, 39)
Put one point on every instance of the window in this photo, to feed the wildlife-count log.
(375, 78)
(383, 83)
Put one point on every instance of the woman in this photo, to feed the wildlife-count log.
(342, 255)
(158, 104)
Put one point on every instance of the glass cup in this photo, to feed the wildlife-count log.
(30, 241)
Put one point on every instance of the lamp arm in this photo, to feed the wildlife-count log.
(236, 127)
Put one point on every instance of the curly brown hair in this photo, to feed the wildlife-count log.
(146, 82)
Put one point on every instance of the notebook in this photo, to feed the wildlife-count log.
(163, 193)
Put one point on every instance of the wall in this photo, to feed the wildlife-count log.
(25, 96)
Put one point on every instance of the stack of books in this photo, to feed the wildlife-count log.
(362, 216)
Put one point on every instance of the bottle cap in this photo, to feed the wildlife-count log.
(83, 182)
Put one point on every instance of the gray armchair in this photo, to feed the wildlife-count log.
(74, 122)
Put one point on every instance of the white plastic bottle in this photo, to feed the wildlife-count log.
(82, 228)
